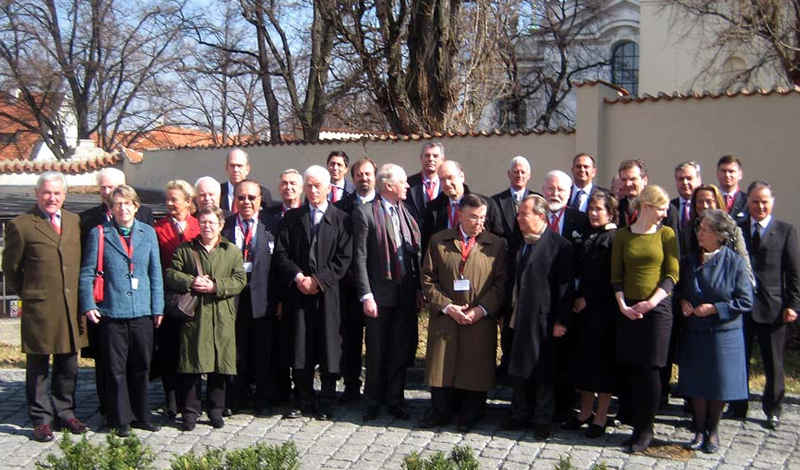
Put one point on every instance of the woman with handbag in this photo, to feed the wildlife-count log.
(127, 304)
(211, 268)
(177, 227)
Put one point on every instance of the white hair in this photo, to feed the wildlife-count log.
(113, 173)
(320, 173)
(389, 173)
(519, 159)
(560, 175)
(208, 180)
(51, 176)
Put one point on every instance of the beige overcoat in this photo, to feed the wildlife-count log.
(463, 356)
(43, 268)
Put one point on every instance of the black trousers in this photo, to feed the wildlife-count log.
(532, 399)
(449, 401)
(127, 345)
(165, 361)
(771, 342)
(255, 363)
(304, 383)
(389, 339)
(190, 391)
(352, 330)
(645, 396)
(62, 387)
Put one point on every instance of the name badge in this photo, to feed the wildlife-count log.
(134, 283)
(248, 267)
(461, 285)
(271, 247)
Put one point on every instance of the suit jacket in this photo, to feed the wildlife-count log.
(508, 215)
(415, 202)
(438, 213)
(739, 210)
(576, 226)
(121, 300)
(463, 356)
(266, 198)
(262, 287)
(91, 218)
(776, 266)
(595, 190)
(349, 188)
(43, 268)
(544, 283)
(293, 255)
(368, 268)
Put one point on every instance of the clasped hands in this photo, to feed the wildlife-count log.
(637, 310)
(204, 285)
(702, 310)
(464, 314)
(307, 285)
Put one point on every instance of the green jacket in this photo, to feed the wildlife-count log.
(208, 342)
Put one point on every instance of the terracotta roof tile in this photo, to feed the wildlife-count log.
(64, 166)
(17, 141)
(701, 95)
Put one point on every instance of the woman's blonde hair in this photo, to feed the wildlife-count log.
(187, 190)
(128, 193)
(653, 196)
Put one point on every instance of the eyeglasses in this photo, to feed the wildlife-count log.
(476, 218)
(247, 197)
(209, 223)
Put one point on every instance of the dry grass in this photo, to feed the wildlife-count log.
(11, 357)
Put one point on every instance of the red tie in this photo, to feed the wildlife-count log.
(728, 201)
(429, 189)
(555, 219)
(54, 223)
(334, 194)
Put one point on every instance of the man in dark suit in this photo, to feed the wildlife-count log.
(290, 188)
(253, 232)
(337, 164)
(108, 179)
(773, 248)
(687, 179)
(237, 166)
(312, 254)
(729, 175)
(543, 294)
(363, 173)
(424, 187)
(633, 178)
(387, 269)
(584, 171)
(42, 262)
(442, 212)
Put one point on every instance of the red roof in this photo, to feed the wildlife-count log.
(167, 137)
(17, 142)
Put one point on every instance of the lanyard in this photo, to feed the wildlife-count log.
(248, 237)
(466, 249)
(129, 249)
(453, 215)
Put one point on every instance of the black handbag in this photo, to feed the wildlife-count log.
(183, 306)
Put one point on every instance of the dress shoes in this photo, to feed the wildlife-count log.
(399, 412)
(431, 420)
(74, 426)
(734, 414)
(324, 413)
(124, 430)
(698, 442)
(712, 444)
(217, 422)
(227, 412)
(188, 426)
(263, 411)
(773, 422)
(42, 433)
(371, 413)
(349, 395)
(541, 431)
(595, 430)
(294, 413)
(574, 423)
(630, 440)
(643, 443)
(145, 426)
(512, 424)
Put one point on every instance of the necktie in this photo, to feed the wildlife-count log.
(577, 200)
(555, 220)
(334, 194)
(728, 202)
(429, 189)
(756, 239)
(55, 224)
(453, 215)
(685, 215)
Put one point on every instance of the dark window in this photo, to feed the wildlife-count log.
(625, 66)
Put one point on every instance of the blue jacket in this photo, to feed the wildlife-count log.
(120, 299)
(722, 281)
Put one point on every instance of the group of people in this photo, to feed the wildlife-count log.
(596, 294)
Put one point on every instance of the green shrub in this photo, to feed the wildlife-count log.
(256, 457)
(564, 463)
(460, 458)
(117, 454)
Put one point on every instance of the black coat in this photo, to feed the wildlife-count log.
(262, 289)
(739, 210)
(776, 266)
(415, 202)
(545, 285)
(311, 323)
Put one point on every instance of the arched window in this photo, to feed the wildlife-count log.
(625, 66)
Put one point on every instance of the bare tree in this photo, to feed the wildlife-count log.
(767, 30)
(107, 58)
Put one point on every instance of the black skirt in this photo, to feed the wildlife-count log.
(594, 361)
(645, 341)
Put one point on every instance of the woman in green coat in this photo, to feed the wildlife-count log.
(208, 342)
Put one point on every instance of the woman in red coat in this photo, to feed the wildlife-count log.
(177, 227)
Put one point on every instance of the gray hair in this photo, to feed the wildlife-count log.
(388, 173)
(318, 172)
(51, 176)
(558, 174)
(290, 171)
(237, 149)
(720, 223)
(113, 173)
(209, 180)
(688, 164)
(519, 159)
(433, 144)
(539, 203)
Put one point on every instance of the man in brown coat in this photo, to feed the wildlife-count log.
(463, 276)
(42, 260)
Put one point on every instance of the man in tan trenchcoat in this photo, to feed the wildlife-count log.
(42, 261)
(463, 277)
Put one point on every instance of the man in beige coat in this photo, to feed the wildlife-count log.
(41, 261)
(463, 277)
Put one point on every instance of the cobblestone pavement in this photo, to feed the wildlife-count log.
(347, 443)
